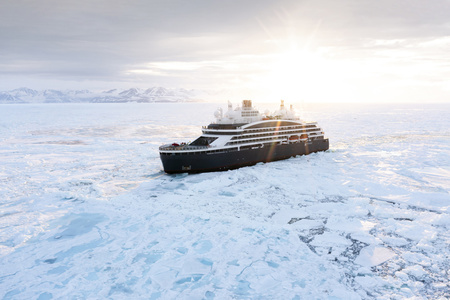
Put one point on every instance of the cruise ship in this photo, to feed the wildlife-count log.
(243, 136)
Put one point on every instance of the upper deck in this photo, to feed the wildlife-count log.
(240, 127)
(216, 126)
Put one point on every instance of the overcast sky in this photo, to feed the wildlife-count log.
(312, 50)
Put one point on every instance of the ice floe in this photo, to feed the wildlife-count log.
(86, 212)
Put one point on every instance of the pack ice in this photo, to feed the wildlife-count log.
(87, 213)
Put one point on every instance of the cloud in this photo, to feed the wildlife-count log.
(211, 43)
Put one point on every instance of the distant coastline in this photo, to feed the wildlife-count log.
(151, 95)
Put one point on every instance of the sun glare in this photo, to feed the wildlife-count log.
(298, 75)
(292, 71)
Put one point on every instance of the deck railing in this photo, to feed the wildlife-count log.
(183, 147)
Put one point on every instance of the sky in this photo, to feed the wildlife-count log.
(298, 50)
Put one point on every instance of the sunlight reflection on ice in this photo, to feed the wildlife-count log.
(86, 209)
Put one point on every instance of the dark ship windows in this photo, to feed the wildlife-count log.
(203, 141)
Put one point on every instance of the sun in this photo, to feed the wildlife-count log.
(296, 74)
(300, 75)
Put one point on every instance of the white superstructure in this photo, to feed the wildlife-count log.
(246, 127)
(243, 137)
(249, 114)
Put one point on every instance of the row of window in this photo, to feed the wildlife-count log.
(202, 152)
(272, 134)
(249, 141)
(273, 138)
(271, 129)
(257, 140)
(249, 113)
(219, 133)
(276, 126)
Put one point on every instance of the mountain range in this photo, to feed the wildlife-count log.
(153, 94)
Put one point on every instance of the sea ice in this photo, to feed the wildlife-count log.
(86, 211)
(373, 256)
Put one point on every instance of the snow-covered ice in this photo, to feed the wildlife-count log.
(86, 211)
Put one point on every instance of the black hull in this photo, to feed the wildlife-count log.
(208, 161)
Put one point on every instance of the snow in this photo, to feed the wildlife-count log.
(154, 94)
(86, 211)
(373, 256)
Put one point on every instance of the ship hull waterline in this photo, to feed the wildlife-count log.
(210, 161)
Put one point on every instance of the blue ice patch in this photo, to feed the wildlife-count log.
(300, 283)
(202, 246)
(80, 224)
(233, 263)
(273, 264)
(242, 288)
(120, 288)
(58, 270)
(11, 294)
(155, 296)
(182, 250)
(193, 278)
(78, 249)
(205, 261)
(92, 276)
(50, 260)
(45, 296)
(227, 194)
(150, 258)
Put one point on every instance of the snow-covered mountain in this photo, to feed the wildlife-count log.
(153, 94)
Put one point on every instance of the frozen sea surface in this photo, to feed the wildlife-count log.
(86, 211)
